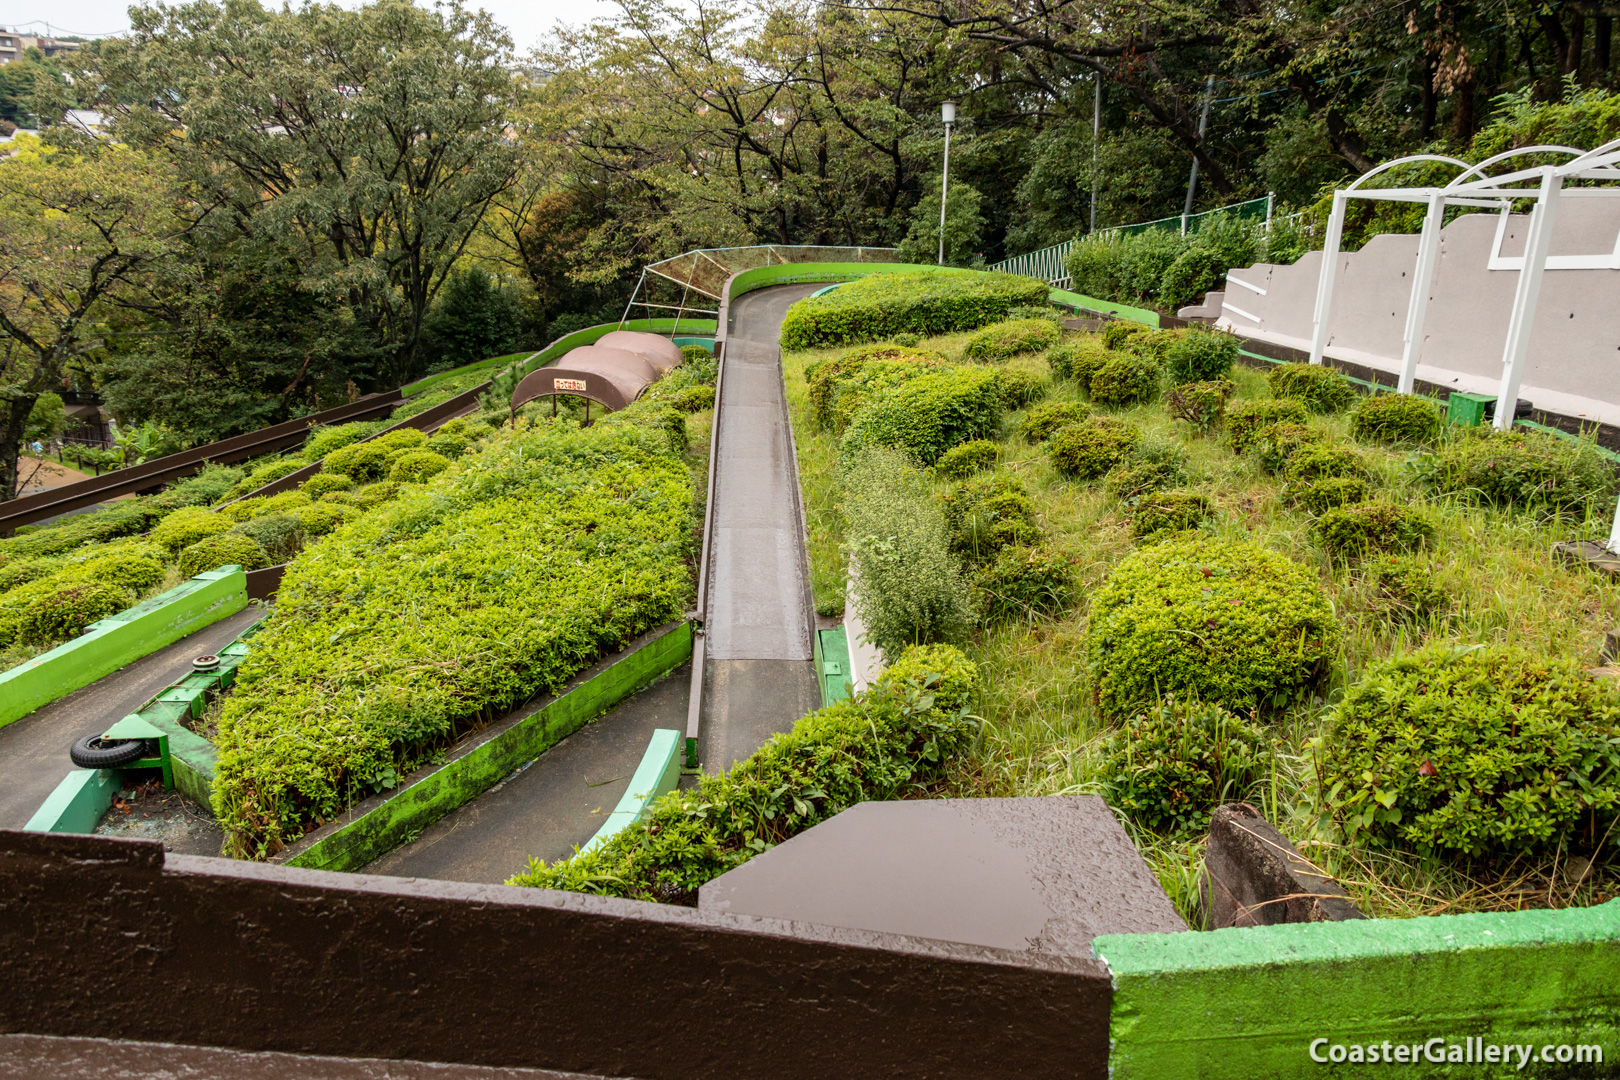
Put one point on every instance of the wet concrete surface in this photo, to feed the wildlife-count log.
(34, 750)
(745, 702)
(549, 806)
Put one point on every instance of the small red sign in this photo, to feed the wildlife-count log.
(568, 384)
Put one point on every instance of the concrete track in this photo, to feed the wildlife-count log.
(34, 750)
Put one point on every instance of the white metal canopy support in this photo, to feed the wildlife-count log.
(1417, 309)
(1330, 270)
(1523, 319)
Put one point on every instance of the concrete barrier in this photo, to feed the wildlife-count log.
(658, 774)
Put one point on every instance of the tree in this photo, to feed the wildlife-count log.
(366, 145)
(964, 228)
(474, 318)
(79, 228)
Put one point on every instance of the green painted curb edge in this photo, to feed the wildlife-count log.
(77, 803)
(658, 774)
(120, 639)
(366, 833)
(1246, 1004)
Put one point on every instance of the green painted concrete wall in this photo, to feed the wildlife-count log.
(121, 639)
(658, 774)
(1246, 1004)
(358, 840)
(77, 803)
(1105, 307)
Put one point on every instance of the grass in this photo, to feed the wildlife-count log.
(1041, 736)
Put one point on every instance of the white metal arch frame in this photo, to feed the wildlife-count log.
(1472, 187)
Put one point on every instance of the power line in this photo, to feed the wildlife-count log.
(52, 29)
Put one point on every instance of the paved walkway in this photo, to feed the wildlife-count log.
(34, 750)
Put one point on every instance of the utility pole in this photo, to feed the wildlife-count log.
(1203, 125)
(1096, 133)
(947, 113)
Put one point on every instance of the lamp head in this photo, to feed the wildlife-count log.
(947, 111)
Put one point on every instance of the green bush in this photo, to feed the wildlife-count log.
(202, 489)
(22, 571)
(963, 461)
(321, 518)
(418, 466)
(1221, 621)
(323, 440)
(909, 588)
(693, 399)
(1005, 340)
(1274, 445)
(1532, 471)
(324, 482)
(403, 439)
(1170, 765)
(1199, 356)
(222, 550)
(1047, 417)
(53, 610)
(651, 417)
(448, 607)
(1321, 388)
(1201, 404)
(839, 385)
(930, 414)
(1482, 751)
(1021, 389)
(1130, 379)
(1088, 449)
(927, 303)
(1364, 528)
(1396, 420)
(1154, 465)
(374, 495)
(280, 536)
(1165, 512)
(265, 474)
(1078, 361)
(1118, 333)
(987, 513)
(1320, 496)
(1245, 420)
(188, 525)
(132, 571)
(1406, 587)
(1023, 582)
(1317, 462)
(907, 341)
(447, 444)
(884, 744)
(1196, 271)
(264, 504)
(124, 518)
(360, 461)
(695, 352)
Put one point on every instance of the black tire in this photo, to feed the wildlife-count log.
(91, 753)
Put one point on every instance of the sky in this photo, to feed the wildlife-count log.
(527, 20)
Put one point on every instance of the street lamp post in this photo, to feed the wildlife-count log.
(947, 113)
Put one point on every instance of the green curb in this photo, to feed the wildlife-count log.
(377, 826)
(1247, 1004)
(121, 639)
(77, 803)
(658, 774)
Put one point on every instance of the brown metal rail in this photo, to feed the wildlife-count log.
(163, 470)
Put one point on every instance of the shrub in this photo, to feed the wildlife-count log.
(374, 495)
(1126, 380)
(1321, 388)
(1169, 512)
(1314, 462)
(988, 513)
(280, 536)
(1396, 419)
(131, 571)
(323, 483)
(1078, 361)
(1171, 764)
(690, 353)
(1407, 587)
(265, 474)
(202, 489)
(1198, 355)
(418, 466)
(1481, 751)
(359, 462)
(838, 386)
(930, 414)
(1196, 271)
(1020, 389)
(264, 504)
(551, 547)
(1201, 404)
(124, 518)
(447, 444)
(1090, 448)
(1154, 465)
(693, 399)
(53, 610)
(1120, 332)
(1004, 340)
(322, 517)
(1221, 621)
(188, 525)
(1046, 418)
(1320, 496)
(323, 440)
(1245, 420)
(1352, 531)
(403, 439)
(22, 571)
(1155, 345)
(963, 461)
(1274, 445)
(927, 303)
(907, 341)
(1532, 471)
(883, 744)
(222, 550)
(909, 589)
(1023, 582)
(654, 418)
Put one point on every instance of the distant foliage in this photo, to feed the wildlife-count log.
(323, 482)
(1397, 420)
(324, 440)
(1321, 388)
(1168, 766)
(928, 303)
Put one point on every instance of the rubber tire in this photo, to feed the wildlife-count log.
(91, 753)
